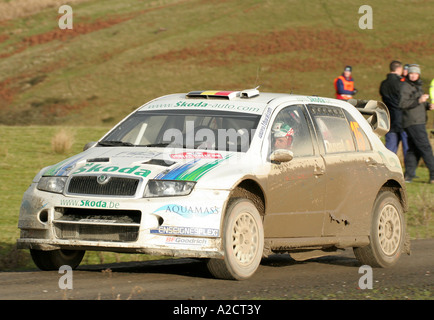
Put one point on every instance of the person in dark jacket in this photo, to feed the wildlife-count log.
(414, 104)
(390, 93)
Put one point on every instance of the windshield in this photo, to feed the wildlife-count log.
(215, 130)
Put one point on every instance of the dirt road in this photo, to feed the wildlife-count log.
(279, 277)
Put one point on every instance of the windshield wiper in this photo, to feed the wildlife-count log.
(165, 144)
(114, 143)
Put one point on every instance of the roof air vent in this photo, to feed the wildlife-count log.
(249, 93)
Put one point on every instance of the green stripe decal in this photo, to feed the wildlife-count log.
(199, 172)
(191, 174)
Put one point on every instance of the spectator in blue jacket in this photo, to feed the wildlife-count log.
(344, 85)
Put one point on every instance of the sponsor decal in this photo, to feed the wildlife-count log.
(192, 104)
(62, 168)
(89, 203)
(227, 106)
(318, 99)
(189, 241)
(196, 155)
(188, 104)
(190, 171)
(265, 121)
(99, 168)
(189, 211)
(188, 231)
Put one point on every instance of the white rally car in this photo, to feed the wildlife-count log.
(231, 176)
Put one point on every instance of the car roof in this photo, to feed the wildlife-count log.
(248, 101)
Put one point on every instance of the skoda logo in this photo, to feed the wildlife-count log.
(102, 179)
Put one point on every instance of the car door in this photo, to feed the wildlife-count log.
(351, 171)
(295, 189)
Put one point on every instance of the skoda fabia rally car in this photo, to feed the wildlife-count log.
(231, 176)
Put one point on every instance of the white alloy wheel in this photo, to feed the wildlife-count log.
(389, 230)
(243, 242)
(387, 233)
(245, 238)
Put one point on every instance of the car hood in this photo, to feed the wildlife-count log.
(149, 163)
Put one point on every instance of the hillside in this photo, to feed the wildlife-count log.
(121, 54)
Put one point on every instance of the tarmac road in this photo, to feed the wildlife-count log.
(279, 277)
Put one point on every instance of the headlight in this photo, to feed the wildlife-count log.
(52, 184)
(168, 188)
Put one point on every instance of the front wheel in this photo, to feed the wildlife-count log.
(387, 233)
(53, 260)
(243, 242)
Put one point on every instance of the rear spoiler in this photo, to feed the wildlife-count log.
(375, 112)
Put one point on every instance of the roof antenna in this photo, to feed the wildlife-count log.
(258, 71)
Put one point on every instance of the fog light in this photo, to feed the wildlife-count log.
(43, 216)
(152, 221)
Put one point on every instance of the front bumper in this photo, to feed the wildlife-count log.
(187, 226)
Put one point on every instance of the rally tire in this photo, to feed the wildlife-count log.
(54, 259)
(387, 233)
(242, 240)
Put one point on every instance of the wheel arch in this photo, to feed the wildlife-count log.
(252, 190)
(398, 189)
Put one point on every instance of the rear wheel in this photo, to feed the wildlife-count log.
(243, 242)
(387, 233)
(53, 260)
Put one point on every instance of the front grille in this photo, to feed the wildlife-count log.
(97, 225)
(93, 232)
(115, 186)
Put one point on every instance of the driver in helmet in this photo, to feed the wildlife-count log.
(283, 135)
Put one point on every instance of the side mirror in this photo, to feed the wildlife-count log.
(281, 155)
(89, 145)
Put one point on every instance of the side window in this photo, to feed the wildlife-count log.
(362, 141)
(290, 131)
(334, 129)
